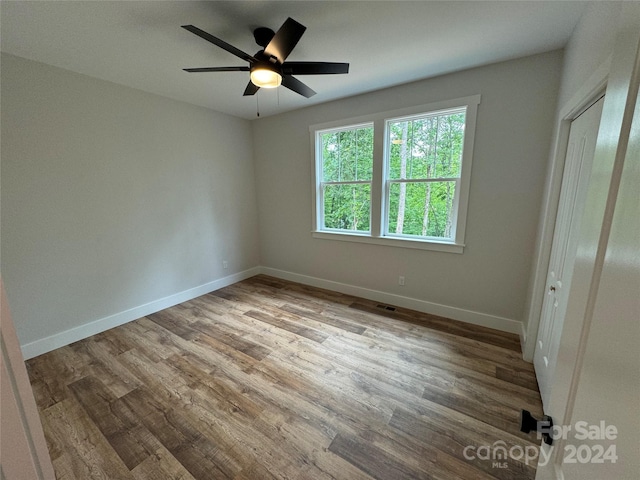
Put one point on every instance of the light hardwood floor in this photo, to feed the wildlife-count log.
(270, 379)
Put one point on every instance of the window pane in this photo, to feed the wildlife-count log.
(347, 207)
(423, 209)
(426, 147)
(347, 155)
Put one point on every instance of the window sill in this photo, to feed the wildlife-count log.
(448, 247)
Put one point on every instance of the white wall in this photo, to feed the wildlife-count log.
(586, 62)
(515, 120)
(597, 374)
(113, 198)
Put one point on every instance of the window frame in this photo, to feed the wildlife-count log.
(388, 181)
(322, 183)
(380, 183)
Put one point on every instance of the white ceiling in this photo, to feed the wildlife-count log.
(140, 43)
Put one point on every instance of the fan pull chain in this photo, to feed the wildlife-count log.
(257, 103)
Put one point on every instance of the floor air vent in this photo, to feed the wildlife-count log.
(386, 307)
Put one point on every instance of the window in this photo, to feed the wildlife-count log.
(397, 178)
(423, 174)
(345, 185)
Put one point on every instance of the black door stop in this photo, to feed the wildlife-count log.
(544, 427)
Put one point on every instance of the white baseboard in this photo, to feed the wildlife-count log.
(455, 313)
(61, 339)
(523, 344)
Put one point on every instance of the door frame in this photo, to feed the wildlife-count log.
(592, 89)
(27, 455)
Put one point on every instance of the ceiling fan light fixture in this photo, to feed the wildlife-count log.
(264, 77)
(269, 68)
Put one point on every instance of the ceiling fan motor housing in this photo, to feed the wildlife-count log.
(263, 36)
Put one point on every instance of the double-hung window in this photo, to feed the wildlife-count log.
(424, 160)
(346, 173)
(396, 178)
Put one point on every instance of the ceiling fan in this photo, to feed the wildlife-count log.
(268, 68)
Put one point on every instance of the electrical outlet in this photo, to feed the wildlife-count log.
(225, 264)
(401, 280)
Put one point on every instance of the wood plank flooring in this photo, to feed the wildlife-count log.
(269, 379)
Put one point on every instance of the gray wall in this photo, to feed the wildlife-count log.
(113, 198)
(590, 45)
(515, 120)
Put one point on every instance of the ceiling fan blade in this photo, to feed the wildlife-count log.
(297, 86)
(314, 68)
(251, 89)
(220, 43)
(217, 69)
(285, 39)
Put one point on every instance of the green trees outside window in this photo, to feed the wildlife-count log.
(425, 159)
(347, 168)
(398, 178)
